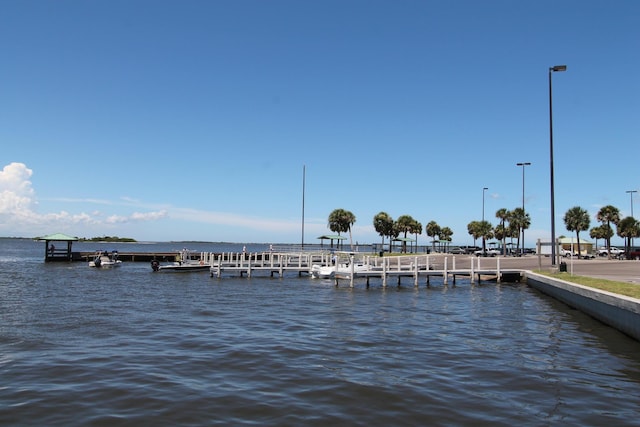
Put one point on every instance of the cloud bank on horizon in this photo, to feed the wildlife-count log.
(20, 215)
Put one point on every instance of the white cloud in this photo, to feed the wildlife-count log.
(16, 193)
(19, 216)
(18, 201)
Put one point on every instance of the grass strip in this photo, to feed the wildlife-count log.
(621, 288)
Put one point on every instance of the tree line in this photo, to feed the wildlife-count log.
(511, 224)
(577, 219)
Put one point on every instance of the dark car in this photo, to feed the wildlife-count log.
(635, 254)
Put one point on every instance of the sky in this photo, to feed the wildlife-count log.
(234, 120)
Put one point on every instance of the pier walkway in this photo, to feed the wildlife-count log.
(343, 266)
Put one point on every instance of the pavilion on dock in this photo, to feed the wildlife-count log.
(60, 253)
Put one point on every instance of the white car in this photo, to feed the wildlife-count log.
(613, 250)
(488, 252)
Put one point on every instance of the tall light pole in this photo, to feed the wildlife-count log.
(523, 164)
(553, 213)
(304, 177)
(631, 194)
(483, 190)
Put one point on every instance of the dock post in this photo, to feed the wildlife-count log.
(384, 272)
(445, 275)
(352, 271)
(415, 272)
(472, 277)
(498, 269)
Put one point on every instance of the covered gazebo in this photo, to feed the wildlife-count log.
(331, 237)
(60, 253)
(404, 241)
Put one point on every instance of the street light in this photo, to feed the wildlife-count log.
(631, 194)
(523, 164)
(553, 214)
(483, 190)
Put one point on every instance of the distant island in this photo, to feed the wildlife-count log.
(109, 239)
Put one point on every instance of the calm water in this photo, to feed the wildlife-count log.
(80, 346)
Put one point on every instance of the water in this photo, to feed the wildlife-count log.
(81, 346)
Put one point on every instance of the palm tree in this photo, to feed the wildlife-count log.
(502, 214)
(383, 223)
(486, 232)
(628, 228)
(601, 232)
(473, 228)
(445, 234)
(433, 229)
(607, 215)
(416, 228)
(405, 224)
(341, 220)
(501, 233)
(520, 221)
(577, 219)
(480, 229)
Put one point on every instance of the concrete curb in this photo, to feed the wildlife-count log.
(618, 311)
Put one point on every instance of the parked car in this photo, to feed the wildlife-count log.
(458, 251)
(488, 252)
(612, 250)
(470, 249)
(634, 255)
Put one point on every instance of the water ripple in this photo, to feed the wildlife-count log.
(132, 348)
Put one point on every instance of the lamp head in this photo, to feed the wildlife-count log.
(558, 68)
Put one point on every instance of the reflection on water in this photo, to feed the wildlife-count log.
(128, 347)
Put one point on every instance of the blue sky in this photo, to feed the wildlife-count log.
(193, 120)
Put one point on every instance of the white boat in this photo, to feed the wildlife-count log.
(184, 263)
(104, 259)
(329, 271)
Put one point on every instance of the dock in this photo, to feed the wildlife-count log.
(351, 267)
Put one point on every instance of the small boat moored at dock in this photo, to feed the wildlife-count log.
(183, 263)
(104, 259)
(330, 271)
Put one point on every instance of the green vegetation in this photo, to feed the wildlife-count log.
(109, 239)
(621, 288)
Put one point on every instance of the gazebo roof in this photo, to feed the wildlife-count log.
(58, 237)
(332, 237)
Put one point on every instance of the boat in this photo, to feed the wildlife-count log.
(184, 263)
(329, 271)
(104, 259)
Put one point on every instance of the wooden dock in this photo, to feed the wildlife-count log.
(419, 268)
(269, 262)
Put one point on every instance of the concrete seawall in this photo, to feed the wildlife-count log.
(617, 311)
